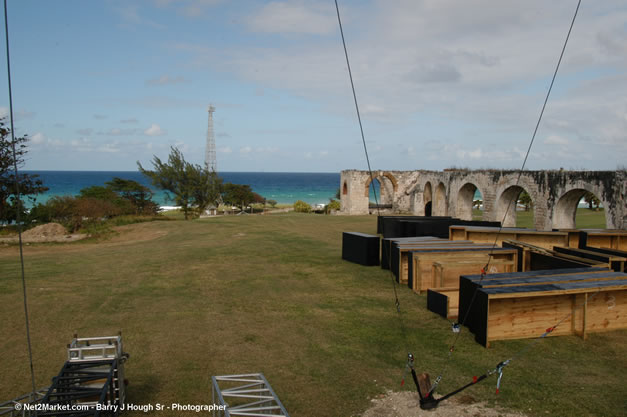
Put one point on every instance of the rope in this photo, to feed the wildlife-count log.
(17, 194)
(363, 139)
(520, 171)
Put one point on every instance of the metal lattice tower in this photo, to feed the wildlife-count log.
(210, 151)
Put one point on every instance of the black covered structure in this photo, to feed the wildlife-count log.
(360, 248)
(411, 226)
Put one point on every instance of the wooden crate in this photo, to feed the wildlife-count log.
(443, 301)
(388, 244)
(491, 235)
(532, 258)
(613, 239)
(400, 254)
(528, 311)
(446, 274)
(469, 284)
(616, 263)
(421, 274)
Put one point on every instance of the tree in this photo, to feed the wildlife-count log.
(237, 195)
(591, 199)
(29, 185)
(525, 199)
(138, 195)
(192, 187)
(272, 203)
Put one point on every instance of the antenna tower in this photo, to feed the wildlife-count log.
(210, 151)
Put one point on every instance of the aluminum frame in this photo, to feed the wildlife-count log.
(251, 395)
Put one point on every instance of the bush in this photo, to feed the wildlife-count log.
(272, 202)
(302, 207)
(333, 205)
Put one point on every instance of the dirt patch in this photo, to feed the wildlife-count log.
(405, 404)
(49, 232)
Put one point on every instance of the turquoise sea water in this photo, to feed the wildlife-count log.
(283, 187)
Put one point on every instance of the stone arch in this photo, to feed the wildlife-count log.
(507, 202)
(465, 201)
(427, 199)
(388, 185)
(439, 201)
(565, 210)
(381, 176)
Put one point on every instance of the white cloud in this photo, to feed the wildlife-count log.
(225, 149)
(38, 138)
(154, 130)
(246, 149)
(294, 17)
(556, 140)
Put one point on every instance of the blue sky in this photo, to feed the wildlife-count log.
(100, 85)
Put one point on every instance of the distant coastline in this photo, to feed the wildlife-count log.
(283, 187)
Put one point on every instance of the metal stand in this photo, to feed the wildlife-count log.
(91, 383)
(248, 395)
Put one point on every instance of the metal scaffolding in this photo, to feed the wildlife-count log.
(246, 395)
(90, 383)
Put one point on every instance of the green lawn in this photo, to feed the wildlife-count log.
(271, 294)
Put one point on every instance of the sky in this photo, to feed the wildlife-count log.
(101, 85)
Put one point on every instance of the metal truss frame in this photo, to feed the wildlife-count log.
(248, 395)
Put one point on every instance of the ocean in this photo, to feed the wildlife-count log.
(283, 187)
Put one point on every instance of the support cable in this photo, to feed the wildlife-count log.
(363, 139)
(19, 201)
(498, 370)
(520, 171)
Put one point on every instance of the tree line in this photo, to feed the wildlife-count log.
(192, 187)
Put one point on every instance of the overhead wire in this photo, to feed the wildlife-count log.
(18, 218)
(363, 139)
(514, 198)
(498, 369)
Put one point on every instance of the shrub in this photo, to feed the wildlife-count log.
(333, 205)
(272, 202)
(302, 207)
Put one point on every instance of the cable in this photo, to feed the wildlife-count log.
(19, 201)
(533, 137)
(363, 139)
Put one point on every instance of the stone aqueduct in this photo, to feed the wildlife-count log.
(555, 194)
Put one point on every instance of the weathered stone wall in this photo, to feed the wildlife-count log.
(555, 194)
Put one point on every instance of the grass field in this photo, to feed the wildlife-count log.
(270, 294)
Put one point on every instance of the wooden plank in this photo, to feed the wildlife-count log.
(527, 312)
